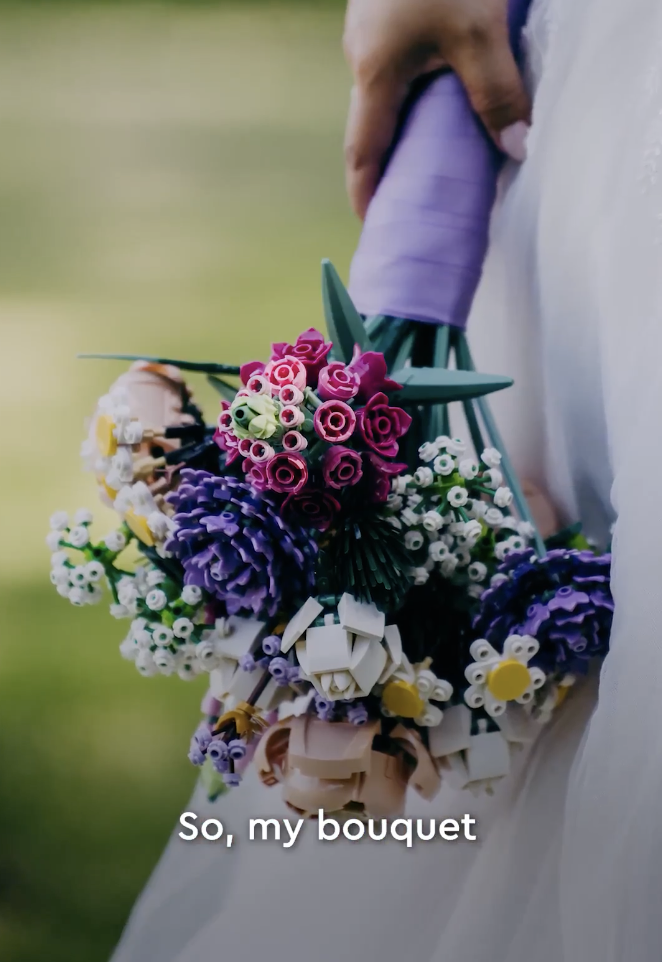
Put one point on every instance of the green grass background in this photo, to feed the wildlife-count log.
(170, 177)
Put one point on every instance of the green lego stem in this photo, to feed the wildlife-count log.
(465, 359)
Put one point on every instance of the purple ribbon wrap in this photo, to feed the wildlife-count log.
(424, 239)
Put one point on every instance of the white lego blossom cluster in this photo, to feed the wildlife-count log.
(79, 576)
(453, 513)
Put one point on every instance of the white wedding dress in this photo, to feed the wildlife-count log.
(568, 866)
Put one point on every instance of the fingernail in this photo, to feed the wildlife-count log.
(513, 140)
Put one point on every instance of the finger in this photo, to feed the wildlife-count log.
(495, 88)
(373, 116)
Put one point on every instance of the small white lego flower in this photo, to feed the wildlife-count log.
(444, 464)
(399, 485)
(191, 594)
(162, 635)
(432, 521)
(78, 576)
(477, 571)
(207, 656)
(525, 529)
(410, 691)
(78, 536)
(438, 551)
(420, 576)
(128, 595)
(503, 497)
(77, 596)
(491, 457)
(182, 628)
(414, 500)
(463, 557)
(60, 575)
(409, 517)
(59, 521)
(83, 516)
(457, 496)
(424, 477)
(493, 517)
(128, 648)
(155, 577)
(456, 446)
(53, 540)
(63, 588)
(94, 571)
(115, 541)
(165, 661)
(119, 611)
(472, 532)
(394, 501)
(156, 600)
(145, 663)
(428, 451)
(477, 509)
(448, 566)
(493, 478)
(414, 540)
(468, 468)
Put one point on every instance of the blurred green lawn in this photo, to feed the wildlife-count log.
(170, 177)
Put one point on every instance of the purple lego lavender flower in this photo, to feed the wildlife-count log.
(271, 645)
(202, 737)
(563, 600)
(195, 756)
(232, 779)
(247, 662)
(233, 542)
(357, 713)
(236, 749)
(279, 669)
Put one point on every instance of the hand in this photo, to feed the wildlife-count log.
(389, 43)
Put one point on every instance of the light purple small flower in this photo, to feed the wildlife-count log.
(279, 668)
(247, 662)
(271, 645)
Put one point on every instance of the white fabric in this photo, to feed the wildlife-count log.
(569, 863)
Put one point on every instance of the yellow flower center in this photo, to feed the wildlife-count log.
(138, 524)
(509, 680)
(402, 698)
(106, 440)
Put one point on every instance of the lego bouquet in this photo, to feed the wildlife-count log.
(372, 610)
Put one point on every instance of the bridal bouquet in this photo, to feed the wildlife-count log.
(373, 608)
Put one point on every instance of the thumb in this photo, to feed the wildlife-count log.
(494, 85)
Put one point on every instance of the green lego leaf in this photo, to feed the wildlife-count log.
(343, 321)
(212, 782)
(202, 367)
(226, 390)
(432, 385)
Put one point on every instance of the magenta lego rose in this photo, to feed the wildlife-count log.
(335, 421)
(337, 383)
(342, 467)
(256, 474)
(285, 371)
(311, 508)
(381, 425)
(287, 473)
(370, 369)
(310, 348)
(380, 473)
(247, 370)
